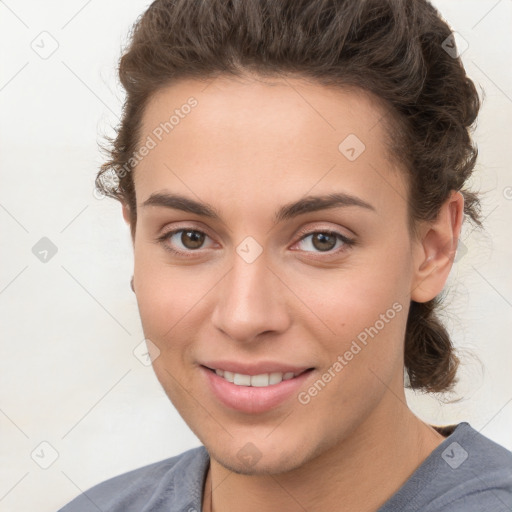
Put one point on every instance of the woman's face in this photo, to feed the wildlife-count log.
(260, 287)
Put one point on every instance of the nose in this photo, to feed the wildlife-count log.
(251, 301)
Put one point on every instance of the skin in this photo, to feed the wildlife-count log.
(250, 146)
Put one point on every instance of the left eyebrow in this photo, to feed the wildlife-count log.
(288, 211)
(316, 203)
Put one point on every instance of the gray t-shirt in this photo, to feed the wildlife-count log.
(467, 472)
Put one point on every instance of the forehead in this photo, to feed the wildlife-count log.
(263, 138)
(252, 106)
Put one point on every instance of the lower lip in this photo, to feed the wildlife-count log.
(251, 399)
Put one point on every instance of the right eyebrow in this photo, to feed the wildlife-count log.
(179, 202)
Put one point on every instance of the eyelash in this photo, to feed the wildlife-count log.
(303, 235)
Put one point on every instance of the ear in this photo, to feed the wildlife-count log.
(435, 249)
(126, 213)
(128, 220)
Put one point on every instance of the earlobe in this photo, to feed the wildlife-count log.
(435, 251)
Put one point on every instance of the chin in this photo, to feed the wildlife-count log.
(251, 461)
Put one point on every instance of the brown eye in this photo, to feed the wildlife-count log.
(192, 239)
(323, 241)
(183, 242)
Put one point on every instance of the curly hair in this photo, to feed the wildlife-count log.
(397, 50)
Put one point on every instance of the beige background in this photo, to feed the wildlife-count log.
(68, 374)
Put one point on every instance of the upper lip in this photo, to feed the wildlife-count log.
(255, 368)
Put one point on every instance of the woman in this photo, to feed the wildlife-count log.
(293, 174)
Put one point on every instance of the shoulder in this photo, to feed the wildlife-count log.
(467, 472)
(479, 472)
(154, 487)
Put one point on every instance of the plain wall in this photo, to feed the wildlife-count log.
(68, 374)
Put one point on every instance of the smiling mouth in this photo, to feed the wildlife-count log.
(260, 381)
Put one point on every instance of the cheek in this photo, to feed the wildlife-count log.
(162, 297)
(354, 297)
(344, 303)
(363, 312)
(363, 358)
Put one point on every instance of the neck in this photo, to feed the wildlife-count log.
(360, 473)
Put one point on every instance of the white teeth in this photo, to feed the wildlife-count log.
(242, 380)
(275, 378)
(260, 381)
(229, 376)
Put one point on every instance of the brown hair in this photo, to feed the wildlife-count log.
(394, 49)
